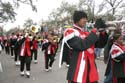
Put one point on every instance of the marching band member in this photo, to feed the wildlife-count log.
(7, 45)
(117, 53)
(81, 44)
(17, 49)
(50, 47)
(25, 55)
(34, 49)
(13, 40)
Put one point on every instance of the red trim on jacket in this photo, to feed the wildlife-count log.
(93, 73)
(26, 46)
(35, 45)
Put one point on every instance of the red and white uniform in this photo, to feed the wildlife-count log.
(82, 64)
(25, 48)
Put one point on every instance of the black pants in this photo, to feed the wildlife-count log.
(49, 59)
(34, 53)
(16, 52)
(7, 50)
(120, 80)
(25, 60)
(12, 51)
(67, 60)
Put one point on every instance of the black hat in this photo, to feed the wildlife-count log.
(78, 15)
(100, 24)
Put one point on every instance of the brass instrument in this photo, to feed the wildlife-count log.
(33, 29)
(55, 39)
(39, 38)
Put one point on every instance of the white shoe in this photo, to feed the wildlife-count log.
(67, 65)
(46, 70)
(18, 63)
(35, 61)
(22, 73)
(28, 74)
(50, 68)
(12, 57)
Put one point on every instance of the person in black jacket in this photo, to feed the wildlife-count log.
(13, 40)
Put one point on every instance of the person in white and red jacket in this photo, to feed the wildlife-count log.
(81, 44)
(25, 55)
(117, 54)
(50, 50)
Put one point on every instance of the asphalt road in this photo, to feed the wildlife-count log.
(11, 73)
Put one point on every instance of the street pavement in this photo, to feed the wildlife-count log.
(11, 73)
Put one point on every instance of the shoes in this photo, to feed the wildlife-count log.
(67, 66)
(50, 68)
(22, 73)
(12, 57)
(28, 74)
(17, 63)
(47, 70)
(35, 61)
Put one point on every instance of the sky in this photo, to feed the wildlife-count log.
(44, 8)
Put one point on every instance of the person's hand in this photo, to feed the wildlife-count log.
(26, 35)
(94, 30)
(97, 33)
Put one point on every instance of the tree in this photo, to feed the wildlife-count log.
(62, 14)
(28, 23)
(7, 9)
(89, 7)
(114, 4)
(16, 3)
(7, 12)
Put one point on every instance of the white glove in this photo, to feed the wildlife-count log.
(26, 34)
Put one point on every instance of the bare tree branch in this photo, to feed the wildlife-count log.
(118, 3)
(114, 2)
(109, 3)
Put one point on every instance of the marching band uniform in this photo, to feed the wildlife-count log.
(17, 50)
(66, 54)
(13, 40)
(82, 67)
(118, 62)
(7, 46)
(49, 53)
(25, 55)
(34, 49)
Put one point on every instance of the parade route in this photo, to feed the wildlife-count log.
(11, 73)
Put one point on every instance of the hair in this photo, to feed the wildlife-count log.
(13, 33)
(79, 15)
(34, 38)
(117, 34)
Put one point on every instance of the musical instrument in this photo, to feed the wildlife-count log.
(33, 29)
(39, 38)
